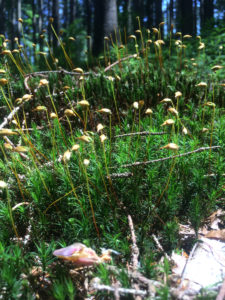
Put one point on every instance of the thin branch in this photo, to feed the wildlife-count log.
(140, 133)
(10, 116)
(102, 287)
(143, 163)
(118, 61)
(58, 72)
(121, 175)
(159, 246)
(188, 260)
(135, 250)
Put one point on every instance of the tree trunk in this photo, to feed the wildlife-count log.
(185, 16)
(65, 13)
(2, 9)
(158, 12)
(98, 28)
(206, 13)
(129, 17)
(72, 11)
(55, 15)
(110, 19)
(88, 18)
(19, 15)
(40, 22)
(149, 11)
(171, 15)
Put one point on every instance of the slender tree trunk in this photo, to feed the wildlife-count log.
(40, 22)
(88, 18)
(65, 13)
(158, 12)
(206, 13)
(185, 16)
(195, 9)
(34, 21)
(149, 10)
(111, 19)
(19, 15)
(2, 9)
(129, 17)
(55, 15)
(98, 26)
(171, 14)
(72, 11)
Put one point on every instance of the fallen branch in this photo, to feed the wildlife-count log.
(140, 133)
(121, 175)
(102, 287)
(143, 163)
(159, 246)
(10, 116)
(134, 249)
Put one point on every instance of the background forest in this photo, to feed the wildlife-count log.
(98, 18)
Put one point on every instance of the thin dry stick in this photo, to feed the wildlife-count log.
(102, 287)
(143, 163)
(11, 143)
(140, 133)
(159, 246)
(120, 175)
(135, 250)
(10, 116)
(118, 62)
(221, 294)
(189, 258)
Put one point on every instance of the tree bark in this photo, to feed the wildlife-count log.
(98, 28)
(2, 9)
(149, 10)
(55, 15)
(185, 16)
(206, 13)
(40, 22)
(72, 11)
(110, 19)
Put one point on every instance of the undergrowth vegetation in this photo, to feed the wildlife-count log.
(83, 149)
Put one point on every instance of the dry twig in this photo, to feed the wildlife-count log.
(118, 62)
(102, 287)
(140, 133)
(143, 163)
